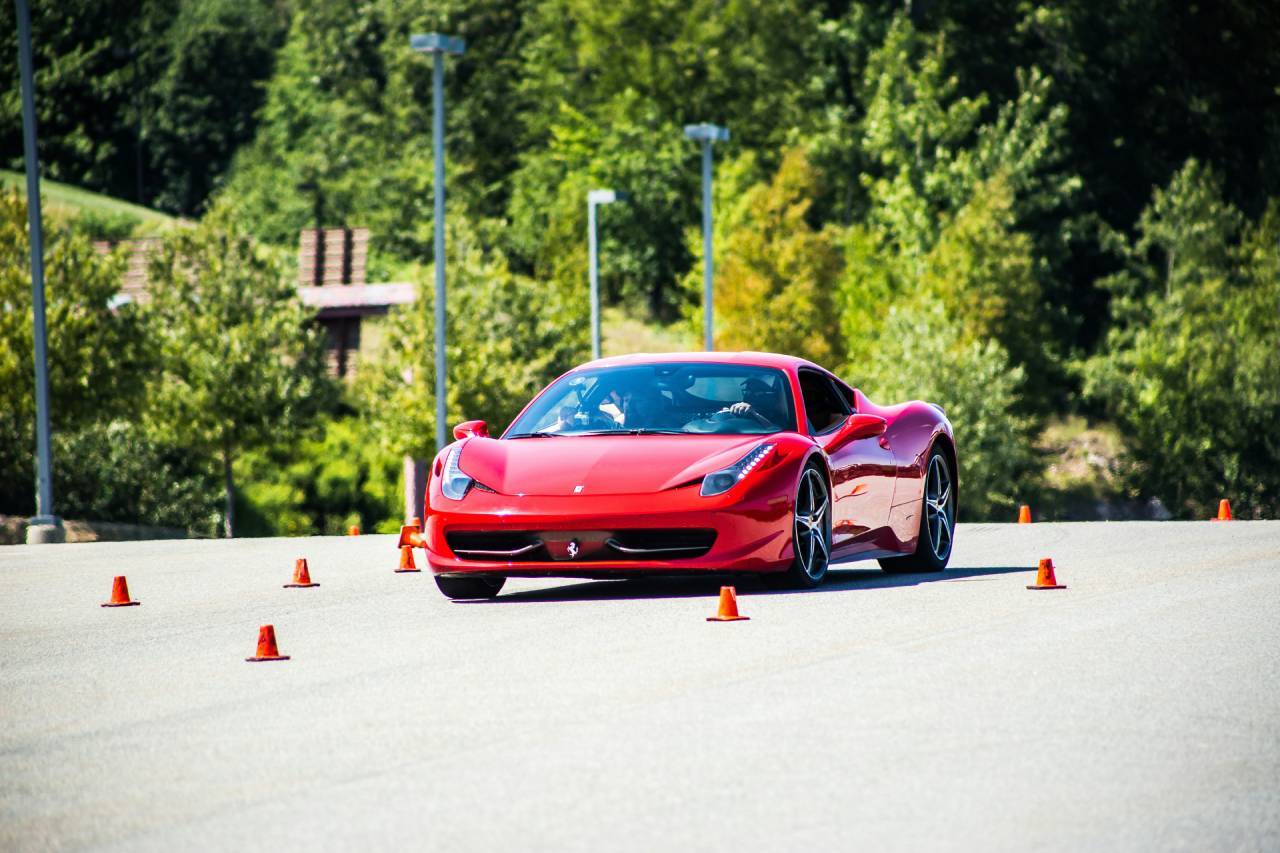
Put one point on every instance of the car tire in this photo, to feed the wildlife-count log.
(462, 589)
(936, 537)
(810, 533)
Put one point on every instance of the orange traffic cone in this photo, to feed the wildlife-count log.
(415, 522)
(353, 530)
(1045, 578)
(406, 561)
(301, 577)
(410, 536)
(267, 645)
(1024, 514)
(1224, 510)
(120, 594)
(728, 607)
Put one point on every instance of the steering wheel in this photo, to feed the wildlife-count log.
(599, 420)
(714, 422)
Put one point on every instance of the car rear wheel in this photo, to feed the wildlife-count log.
(810, 532)
(461, 589)
(937, 521)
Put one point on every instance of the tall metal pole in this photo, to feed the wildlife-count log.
(707, 134)
(437, 141)
(708, 263)
(593, 262)
(45, 526)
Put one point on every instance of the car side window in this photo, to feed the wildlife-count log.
(846, 393)
(824, 408)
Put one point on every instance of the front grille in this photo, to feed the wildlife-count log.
(586, 546)
(496, 545)
(691, 542)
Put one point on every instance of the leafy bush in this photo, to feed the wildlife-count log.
(97, 353)
(322, 485)
(1190, 367)
(117, 472)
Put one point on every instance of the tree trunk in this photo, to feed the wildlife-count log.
(229, 519)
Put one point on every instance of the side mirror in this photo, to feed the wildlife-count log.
(857, 427)
(477, 428)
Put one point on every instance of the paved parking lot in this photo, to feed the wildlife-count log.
(1137, 709)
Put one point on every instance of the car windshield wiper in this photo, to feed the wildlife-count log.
(633, 431)
(636, 431)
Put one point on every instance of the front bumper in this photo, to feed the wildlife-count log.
(752, 531)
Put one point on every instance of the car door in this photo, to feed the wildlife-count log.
(862, 471)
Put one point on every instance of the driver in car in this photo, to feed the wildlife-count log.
(761, 402)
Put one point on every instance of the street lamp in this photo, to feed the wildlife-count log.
(45, 526)
(706, 134)
(438, 45)
(595, 198)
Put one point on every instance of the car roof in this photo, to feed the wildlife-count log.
(755, 359)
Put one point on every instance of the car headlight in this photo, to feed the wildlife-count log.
(454, 484)
(719, 482)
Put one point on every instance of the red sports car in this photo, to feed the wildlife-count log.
(694, 462)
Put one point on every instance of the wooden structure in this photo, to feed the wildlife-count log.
(331, 280)
(332, 256)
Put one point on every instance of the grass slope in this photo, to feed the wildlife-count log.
(622, 334)
(65, 199)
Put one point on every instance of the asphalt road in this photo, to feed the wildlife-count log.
(1139, 709)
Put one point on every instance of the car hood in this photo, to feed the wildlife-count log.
(599, 464)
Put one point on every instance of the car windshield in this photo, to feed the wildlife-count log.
(676, 398)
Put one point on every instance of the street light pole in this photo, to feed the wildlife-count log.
(438, 45)
(45, 526)
(707, 134)
(594, 199)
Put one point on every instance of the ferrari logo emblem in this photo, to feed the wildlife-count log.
(572, 550)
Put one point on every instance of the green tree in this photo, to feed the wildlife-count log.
(1190, 367)
(200, 108)
(983, 271)
(321, 484)
(979, 214)
(91, 61)
(775, 272)
(344, 134)
(141, 100)
(96, 349)
(507, 337)
(241, 364)
(643, 251)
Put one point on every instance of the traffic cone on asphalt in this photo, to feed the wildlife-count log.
(728, 607)
(410, 535)
(1045, 578)
(1024, 514)
(1224, 510)
(120, 594)
(301, 577)
(267, 645)
(353, 530)
(406, 561)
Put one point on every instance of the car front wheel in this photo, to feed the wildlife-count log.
(810, 532)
